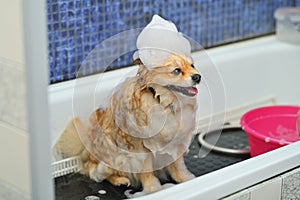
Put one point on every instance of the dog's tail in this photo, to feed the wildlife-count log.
(69, 143)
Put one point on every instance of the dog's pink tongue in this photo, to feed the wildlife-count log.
(193, 90)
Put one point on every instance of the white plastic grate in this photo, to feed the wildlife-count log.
(66, 166)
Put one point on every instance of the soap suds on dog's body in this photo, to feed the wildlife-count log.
(149, 123)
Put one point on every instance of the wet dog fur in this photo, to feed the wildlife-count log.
(170, 91)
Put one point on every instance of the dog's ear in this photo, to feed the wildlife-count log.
(137, 62)
(142, 71)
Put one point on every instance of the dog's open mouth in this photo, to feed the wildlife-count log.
(189, 91)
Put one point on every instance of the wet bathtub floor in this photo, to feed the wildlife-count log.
(79, 187)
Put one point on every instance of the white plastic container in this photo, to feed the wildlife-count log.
(288, 25)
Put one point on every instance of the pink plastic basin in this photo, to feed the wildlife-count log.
(269, 128)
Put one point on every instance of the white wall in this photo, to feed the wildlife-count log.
(11, 30)
(14, 152)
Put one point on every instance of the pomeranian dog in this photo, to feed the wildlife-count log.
(144, 132)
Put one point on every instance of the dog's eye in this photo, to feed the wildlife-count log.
(192, 66)
(176, 71)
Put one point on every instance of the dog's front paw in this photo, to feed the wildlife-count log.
(183, 176)
(179, 172)
(150, 183)
(152, 186)
(119, 180)
(186, 177)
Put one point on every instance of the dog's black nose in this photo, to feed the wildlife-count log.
(196, 78)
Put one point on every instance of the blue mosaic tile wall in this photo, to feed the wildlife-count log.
(75, 27)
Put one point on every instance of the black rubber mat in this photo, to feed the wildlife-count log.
(198, 160)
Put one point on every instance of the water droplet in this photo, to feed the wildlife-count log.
(127, 192)
(130, 195)
(281, 141)
(102, 191)
(92, 198)
(202, 153)
(267, 139)
(241, 145)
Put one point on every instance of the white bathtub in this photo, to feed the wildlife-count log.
(251, 70)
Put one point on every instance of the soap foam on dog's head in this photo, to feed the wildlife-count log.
(158, 40)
